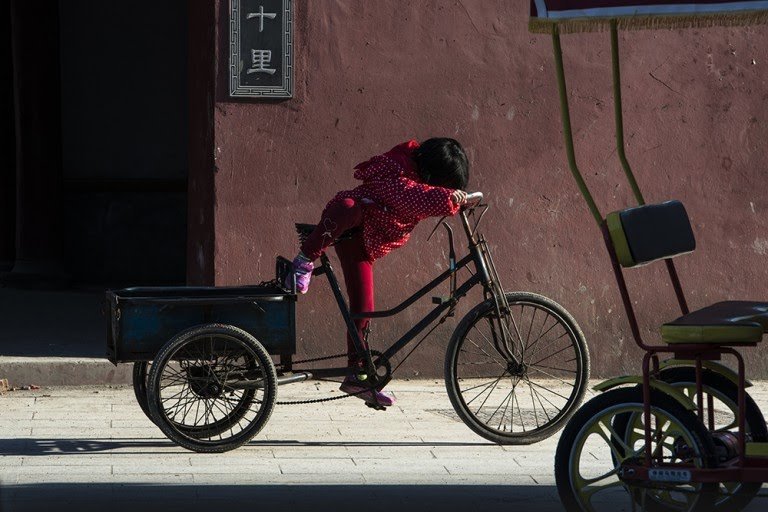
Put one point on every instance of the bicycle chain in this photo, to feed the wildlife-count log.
(374, 353)
(320, 400)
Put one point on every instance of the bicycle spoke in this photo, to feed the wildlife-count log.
(555, 368)
(489, 383)
(533, 404)
(492, 383)
(487, 397)
(549, 390)
(500, 363)
(541, 405)
(490, 343)
(551, 355)
(517, 402)
(506, 403)
(530, 326)
(538, 348)
(554, 377)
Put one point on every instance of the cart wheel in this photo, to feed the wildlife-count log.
(526, 391)
(140, 371)
(733, 496)
(590, 454)
(212, 388)
(140, 376)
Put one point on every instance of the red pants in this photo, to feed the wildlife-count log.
(338, 217)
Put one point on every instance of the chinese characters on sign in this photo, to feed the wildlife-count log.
(261, 42)
(261, 59)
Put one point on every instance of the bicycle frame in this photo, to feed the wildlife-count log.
(485, 274)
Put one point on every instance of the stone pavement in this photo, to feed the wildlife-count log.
(91, 448)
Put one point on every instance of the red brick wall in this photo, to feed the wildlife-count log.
(371, 74)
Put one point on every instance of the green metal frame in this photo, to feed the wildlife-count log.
(665, 387)
(619, 120)
(709, 365)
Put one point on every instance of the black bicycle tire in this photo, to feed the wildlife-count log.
(569, 438)
(140, 387)
(454, 392)
(186, 440)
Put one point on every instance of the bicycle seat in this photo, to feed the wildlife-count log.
(304, 230)
(730, 322)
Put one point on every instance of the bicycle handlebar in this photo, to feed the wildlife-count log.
(474, 198)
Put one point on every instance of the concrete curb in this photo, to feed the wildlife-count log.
(62, 371)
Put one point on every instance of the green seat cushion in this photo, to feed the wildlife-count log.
(728, 323)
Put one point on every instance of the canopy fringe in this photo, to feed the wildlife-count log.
(577, 25)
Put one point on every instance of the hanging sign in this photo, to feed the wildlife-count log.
(261, 48)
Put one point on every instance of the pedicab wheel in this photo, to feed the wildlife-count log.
(525, 390)
(592, 449)
(733, 496)
(140, 371)
(212, 388)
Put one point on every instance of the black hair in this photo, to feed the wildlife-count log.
(442, 162)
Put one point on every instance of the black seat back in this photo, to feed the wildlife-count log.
(650, 232)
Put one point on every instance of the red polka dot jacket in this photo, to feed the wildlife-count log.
(395, 199)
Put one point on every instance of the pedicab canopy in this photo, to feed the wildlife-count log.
(592, 15)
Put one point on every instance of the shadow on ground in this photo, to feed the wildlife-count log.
(28, 447)
(284, 498)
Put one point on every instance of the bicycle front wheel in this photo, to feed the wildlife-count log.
(516, 377)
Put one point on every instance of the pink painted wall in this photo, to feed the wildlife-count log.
(372, 74)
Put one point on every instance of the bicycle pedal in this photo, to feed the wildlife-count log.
(376, 407)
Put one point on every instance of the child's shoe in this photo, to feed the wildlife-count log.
(302, 270)
(352, 387)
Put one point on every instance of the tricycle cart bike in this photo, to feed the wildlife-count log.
(516, 366)
(684, 435)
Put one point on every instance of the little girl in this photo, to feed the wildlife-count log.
(409, 183)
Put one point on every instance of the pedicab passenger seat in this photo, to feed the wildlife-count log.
(727, 323)
(647, 233)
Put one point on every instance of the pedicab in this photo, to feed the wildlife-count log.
(516, 366)
(685, 434)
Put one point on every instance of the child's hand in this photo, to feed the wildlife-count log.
(459, 197)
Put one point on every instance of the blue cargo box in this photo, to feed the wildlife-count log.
(142, 320)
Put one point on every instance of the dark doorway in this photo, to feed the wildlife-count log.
(124, 124)
(8, 155)
(99, 198)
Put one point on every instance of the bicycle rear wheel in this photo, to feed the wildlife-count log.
(140, 372)
(212, 388)
(516, 379)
